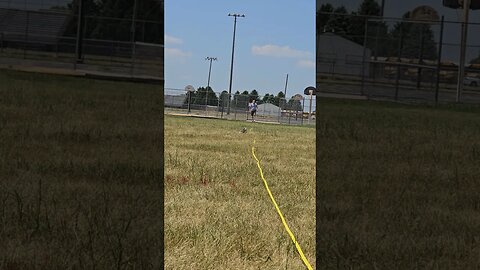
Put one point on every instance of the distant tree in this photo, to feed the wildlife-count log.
(323, 16)
(253, 95)
(279, 100)
(356, 31)
(412, 34)
(241, 99)
(201, 93)
(295, 103)
(338, 22)
(268, 98)
(223, 100)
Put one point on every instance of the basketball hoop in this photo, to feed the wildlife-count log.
(424, 13)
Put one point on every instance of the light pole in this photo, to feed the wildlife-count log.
(208, 83)
(233, 51)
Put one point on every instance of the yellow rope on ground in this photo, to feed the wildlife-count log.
(304, 259)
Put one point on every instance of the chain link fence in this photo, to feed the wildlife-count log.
(294, 111)
(398, 59)
(47, 34)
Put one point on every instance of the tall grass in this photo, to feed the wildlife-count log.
(399, 186)
(80, 173)
(217, 212)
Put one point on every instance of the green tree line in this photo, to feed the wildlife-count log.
(240, 100)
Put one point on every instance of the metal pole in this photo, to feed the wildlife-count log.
(376, 38)
(133, 34)
(439, 60)
(231, 64)
(420, 57)
(310, 107)
(78, 49)
(286, 83)
(303, 108)
(236, 106)
(363, 58)
(208, 82)
(399, 59)
(26, 35)
(461, 65)
(189, 99)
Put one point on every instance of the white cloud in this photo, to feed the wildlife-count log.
(278, 51)
(306, 63)
(177, 53)
(169, 40)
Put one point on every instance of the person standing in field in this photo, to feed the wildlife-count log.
(252, 107)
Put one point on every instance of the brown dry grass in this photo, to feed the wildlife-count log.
(218, 213)
(80, 173)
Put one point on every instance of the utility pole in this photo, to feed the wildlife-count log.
(208, 82)
(233, 52)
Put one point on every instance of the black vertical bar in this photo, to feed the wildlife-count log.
(189, 100)
(420, 57)
(80, 21)
(26, 35)
(231, 64)
(399, 59)
(362, 88)
(439, 60)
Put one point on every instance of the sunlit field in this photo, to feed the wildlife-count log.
(217, 211)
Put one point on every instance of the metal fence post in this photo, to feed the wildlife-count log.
(236, 103)
(362, 90)
(133, 28)
(289, 115)
(218, 102)
(26, 35)
(400, 46)
(79, 43)
(439, 60)
(303, 108)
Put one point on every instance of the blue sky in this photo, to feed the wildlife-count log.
(276, 37)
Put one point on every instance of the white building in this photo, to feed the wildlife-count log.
(338, 55)
(268, 109)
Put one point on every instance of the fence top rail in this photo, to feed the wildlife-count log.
(69, 13)
(393, 19)
(59, 12)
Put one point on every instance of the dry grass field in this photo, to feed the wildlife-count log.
(217, 211)
(80, 173)
(398, 186)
